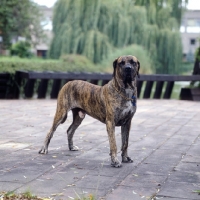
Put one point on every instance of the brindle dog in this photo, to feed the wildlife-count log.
(113, 104)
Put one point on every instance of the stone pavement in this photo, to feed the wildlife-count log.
(164, 144)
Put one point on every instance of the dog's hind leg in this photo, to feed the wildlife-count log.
(78, 116)
(60, 117)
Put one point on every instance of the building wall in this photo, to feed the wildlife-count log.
(43, 46)
(190, 33)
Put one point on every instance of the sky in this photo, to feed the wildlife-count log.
(193, 4)
(48, 3)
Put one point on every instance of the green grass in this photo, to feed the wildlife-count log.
(11, 195)
(186, 68)
(197, 191)
(89, 197)
(175, 92)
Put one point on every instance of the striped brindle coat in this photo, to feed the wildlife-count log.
(113, 104)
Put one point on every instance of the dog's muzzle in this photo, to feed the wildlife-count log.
(128, 70)
(128, 74)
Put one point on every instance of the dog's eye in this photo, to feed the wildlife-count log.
(133, 62)
(122, 62)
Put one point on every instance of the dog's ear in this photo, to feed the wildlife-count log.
(138, 62)
(114, 66)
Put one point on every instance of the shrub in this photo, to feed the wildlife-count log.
(21, 49)
(75, 63)
(69, 63)
(146, 64)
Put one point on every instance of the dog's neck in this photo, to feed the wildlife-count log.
(129, 90)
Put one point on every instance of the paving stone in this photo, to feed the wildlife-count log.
(74, 192)
(187, 140)
(194, 150)
(191, 159)
(131, 193)
(13, 160)
(8, 186)
(43, 187)
(188, 167)
(85, 164)
(164, 157)
(179, 190)
(187, 177)
(2, 141)
(94, 154)
(19, 175)
(142, 180)
(147, 142)
(106, 170)
(178, 147)
(154, 169)
(168, 198)
(139, 156)
(164, 145)
(98, 182)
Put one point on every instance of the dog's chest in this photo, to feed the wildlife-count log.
(124, 113)
(127, 109)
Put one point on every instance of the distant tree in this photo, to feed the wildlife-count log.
(164, 41)
(94, 28)
(19, 18)
(170, 9)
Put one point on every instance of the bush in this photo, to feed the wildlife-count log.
(68, 63)
(79, 63)
(21, 49)
(75, 63)
(146, 64)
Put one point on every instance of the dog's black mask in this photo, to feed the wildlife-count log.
(128, 75)
(129, 66)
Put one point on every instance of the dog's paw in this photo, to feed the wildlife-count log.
(43, 150)
(126, 159)
(74, 148)
(115, 163)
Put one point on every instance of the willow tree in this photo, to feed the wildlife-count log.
(164, 18)
(75, 30)
(94, 28)
(176, 8)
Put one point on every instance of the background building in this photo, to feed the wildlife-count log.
(190, 33)
(43, 46)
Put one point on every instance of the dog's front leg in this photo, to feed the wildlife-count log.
(125, 129)
(113, 147)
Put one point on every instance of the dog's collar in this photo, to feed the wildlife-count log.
(132, 99)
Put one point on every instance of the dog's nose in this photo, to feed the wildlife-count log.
(128, 68)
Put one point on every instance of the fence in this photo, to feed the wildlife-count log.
(42, 84)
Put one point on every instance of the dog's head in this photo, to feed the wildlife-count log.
(126, 68)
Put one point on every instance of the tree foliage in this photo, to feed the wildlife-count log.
(21, 49)
(160, 10)
(19, 19)
(95, 28)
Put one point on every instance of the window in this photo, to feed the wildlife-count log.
(192, 41)
(191, 22)
(193, 25)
